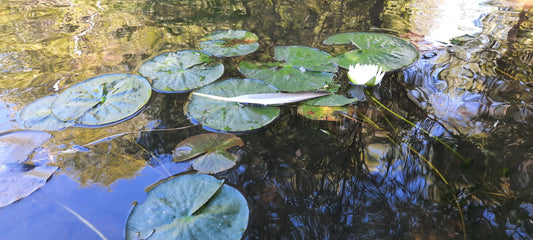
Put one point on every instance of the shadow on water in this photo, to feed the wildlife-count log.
(359, 178)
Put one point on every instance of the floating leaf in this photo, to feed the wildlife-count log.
(19, 175)
(194, 206)
(324, 113)
(374, 48)
(332, 100)
(103, 99)
(300, 69)
(181, 71)
(231, 116)
(230, 43)
(268, 98)
(301, 57)
(287, 78)
(38, 115)
(213, 150)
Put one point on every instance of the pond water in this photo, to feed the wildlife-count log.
(462, 170)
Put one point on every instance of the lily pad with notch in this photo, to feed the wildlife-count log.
(230, 43)
(102, 100)
(38, 115)
(181, 71)
(299, 68)
(231, 116)
(23, 167)
(192, 206)
(210, 150)
(386, 51)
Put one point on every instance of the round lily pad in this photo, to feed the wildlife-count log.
(379, 49)
(231, 116)
(181, 71)
(210, 150)
(299, 68)
(230, 43)
(102, 100)
(193, 206)
(38, 115)
(19, 175)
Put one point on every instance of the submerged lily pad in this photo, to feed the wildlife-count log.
(231, 116)
(103, 99)
(19, 175)
(211, 150)
(299, 69)
(38, 115)
(181, 71)
(379, 49)
(324, 113)
(230, 43)
(194, 206)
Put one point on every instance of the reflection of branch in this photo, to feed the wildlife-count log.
(92, 227)
(367, 121)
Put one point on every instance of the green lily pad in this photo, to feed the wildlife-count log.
(333, 100)
(231, 116)
(300, 69)
(181, 71)
(38, 115)
(230, 43)
(193, 206)
(379, 49)
(102, 100)
(19, 175)
(211, 150)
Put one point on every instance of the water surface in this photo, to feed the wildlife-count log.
(304, 179)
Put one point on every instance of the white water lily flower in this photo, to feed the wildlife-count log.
(369, 75)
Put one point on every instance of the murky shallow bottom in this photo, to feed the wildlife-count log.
(304, 179)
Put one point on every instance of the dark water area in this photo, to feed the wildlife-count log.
(462, 170)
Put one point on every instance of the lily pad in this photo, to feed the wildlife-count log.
(324, 113)
(193, 206)
(38, 115)
(102, 100)
(211, 150)
(231, 116)
(333, 100)
(181, 71)
(379, 49)
(299, 69)
(19, 175)
(230, 43)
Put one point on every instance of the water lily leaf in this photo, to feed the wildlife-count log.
(38, 115)
(181, 71)
(19, 175)
(268, 98)
(374, 48)
(287, 78)
(231, 116)
(213, 150)
(193, 206)
(332, 100)
(230, 43)
(310, 59)
(324, 113)
(299, 69)
(103, 99)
